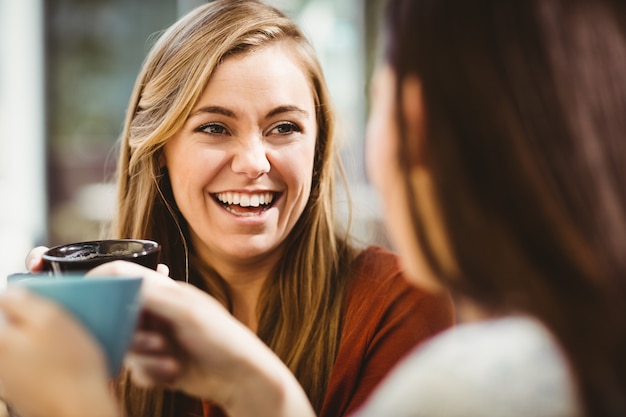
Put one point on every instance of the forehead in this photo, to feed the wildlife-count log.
(274, 60)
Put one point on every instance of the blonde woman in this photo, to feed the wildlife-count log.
(228, 160)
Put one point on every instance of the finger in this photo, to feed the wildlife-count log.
(21, 307)
(128, 269)
(34, 259)
(163, 269)
(150, 370)
(170, 299)
(118, 268)
(149, 343)
(10, 337)
(18, 305)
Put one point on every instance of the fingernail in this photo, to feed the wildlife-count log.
(30, 263)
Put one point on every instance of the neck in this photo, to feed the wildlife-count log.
(245, 279)
(245, 297)
(470, 311)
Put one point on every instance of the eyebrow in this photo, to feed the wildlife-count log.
(214, 110)
(229, 113)
(286, 109)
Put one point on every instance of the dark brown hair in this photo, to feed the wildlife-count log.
(525, 113)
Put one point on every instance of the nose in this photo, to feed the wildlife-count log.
(251, 159)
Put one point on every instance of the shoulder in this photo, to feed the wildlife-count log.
(377, 275)
(505, 367)
(376, 256)
(377, 266)
(379, 293)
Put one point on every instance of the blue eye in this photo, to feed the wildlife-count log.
(212, 129)
(285, 128)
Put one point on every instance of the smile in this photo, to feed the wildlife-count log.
(245, 204)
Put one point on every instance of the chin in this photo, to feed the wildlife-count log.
(249, 250)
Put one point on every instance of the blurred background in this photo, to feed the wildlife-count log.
(67, 68)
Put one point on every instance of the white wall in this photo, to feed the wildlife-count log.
(22, 160)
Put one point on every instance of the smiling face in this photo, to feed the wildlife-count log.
(241, 166)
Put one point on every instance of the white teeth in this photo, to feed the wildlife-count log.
(246, 200)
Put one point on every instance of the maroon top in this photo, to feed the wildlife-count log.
(384, 318)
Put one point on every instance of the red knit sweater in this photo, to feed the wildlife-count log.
(384, 317)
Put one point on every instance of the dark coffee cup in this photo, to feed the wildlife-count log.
(83, 256)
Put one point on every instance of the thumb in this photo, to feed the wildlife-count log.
(163, 269)
(34, 260)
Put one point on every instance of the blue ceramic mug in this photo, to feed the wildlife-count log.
(108, 307)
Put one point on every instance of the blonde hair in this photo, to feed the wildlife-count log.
(300, 306)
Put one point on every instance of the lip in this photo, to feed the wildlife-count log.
(257, 218)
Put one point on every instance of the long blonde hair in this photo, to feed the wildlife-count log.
(300, 306)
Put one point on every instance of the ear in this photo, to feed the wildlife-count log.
(413, 113)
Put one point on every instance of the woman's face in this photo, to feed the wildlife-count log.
(241, 165)
(388, 178)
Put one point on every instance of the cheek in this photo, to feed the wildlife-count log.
(384, 172)
(381, 166)
(190, 171)
(307, 159)
(293, 167)
(304, 172)
(380, 151)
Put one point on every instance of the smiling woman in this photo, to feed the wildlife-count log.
(228, 159)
